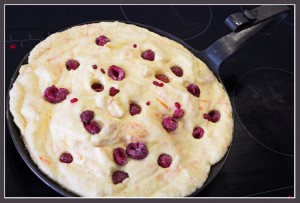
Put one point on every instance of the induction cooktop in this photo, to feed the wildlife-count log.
(259, 80)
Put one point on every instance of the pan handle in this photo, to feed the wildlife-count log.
(247, 27)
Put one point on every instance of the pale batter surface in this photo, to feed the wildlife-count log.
(50, 129)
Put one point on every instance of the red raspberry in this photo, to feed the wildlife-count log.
(72, 64)
(92, 127)
(97, 87)
(116, 73)
(113, 91)
(87, 116)
(169, 124)
(137, 150)
(120, 156)
(119, 176)
(213, 116)
(206, 116)
(164, 160)
(102, 40)
(158, 84)
(198, 133)
(177, 71)
(54, 95)
(179, 113)
(194, 89)
(177, 105)
(148, 55)
(66, 158)
(134, 109)
(73, 100)
(162, 78)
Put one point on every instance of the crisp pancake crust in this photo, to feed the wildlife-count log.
(49, 130)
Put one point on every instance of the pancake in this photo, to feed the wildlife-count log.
(113, 110)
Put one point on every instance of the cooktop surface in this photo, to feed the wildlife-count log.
(259, 80)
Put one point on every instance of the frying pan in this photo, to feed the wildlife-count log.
(246, 27)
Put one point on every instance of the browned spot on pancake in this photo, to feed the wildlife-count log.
(66, 39)
(51, 58)
(158, 115)
(127, 54)
(193, 163)
(141, 135)
(134, 138)
(138, 130)
(135, 124)
(159, 177)
(43, 159)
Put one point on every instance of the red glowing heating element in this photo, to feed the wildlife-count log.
(12, 46)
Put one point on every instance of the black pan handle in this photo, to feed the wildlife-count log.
(246, 27)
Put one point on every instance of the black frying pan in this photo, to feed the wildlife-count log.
(246, 27)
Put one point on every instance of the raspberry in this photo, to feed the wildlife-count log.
(134, 46)
(120, 156)
(92, 127)
(179, 113)
(113, 91)
(148, 103)
(87, 116)
(213, 116)
(73, 100)
(97, 87)
(94, 67)
(177, 71)
(54, 95)
(116, 73)
(137, 150)
(164, 160)
(162, 78)
(72, 64)
(198, 133)
(119, 176)
(134, 109)
(169, 123)
(206, 116)
(66, 158)
(102, 40)
(158, 84)
(148, 55)
(177, 105)
(194, 89)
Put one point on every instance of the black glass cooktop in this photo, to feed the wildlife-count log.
(259, 80)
